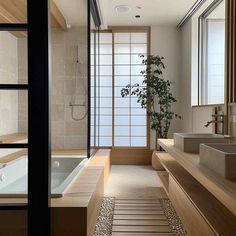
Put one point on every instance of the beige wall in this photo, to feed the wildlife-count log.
(165, 41)
(8, 74)
(69, 84)
(23, 79)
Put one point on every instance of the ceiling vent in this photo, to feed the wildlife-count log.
(122, 9)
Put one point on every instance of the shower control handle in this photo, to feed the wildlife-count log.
(2, 177)
(56, 164)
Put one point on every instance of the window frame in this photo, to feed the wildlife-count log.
(202, 57)
(114, 30)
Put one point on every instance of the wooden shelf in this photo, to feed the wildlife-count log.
(164, 176)
(224, 190)
(219, 218)
(11, 138)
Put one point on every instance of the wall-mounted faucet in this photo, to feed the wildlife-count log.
(219, 119)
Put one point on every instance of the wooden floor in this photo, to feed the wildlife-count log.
(139, 217)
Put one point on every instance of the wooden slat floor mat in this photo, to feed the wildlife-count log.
(139, 217)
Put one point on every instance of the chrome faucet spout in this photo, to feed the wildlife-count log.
(208, 123)
(213, 122)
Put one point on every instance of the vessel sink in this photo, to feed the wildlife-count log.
(190, 142)
(220, 158)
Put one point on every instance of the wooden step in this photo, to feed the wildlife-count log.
(140, 222)
(141, 234)
(140, 217)
(144, 229)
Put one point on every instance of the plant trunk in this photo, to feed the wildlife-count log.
(156, 143)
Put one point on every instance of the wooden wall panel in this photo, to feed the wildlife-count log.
(231, 50)
(131, 156)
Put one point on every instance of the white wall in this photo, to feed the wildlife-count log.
(165, 41)
(194, 117)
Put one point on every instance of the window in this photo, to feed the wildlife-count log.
(212, 55)
(120, 122)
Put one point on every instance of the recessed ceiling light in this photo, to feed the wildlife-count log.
(137, 16)
(138, 7)
(122, 9)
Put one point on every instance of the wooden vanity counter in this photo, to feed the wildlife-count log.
(224, 190)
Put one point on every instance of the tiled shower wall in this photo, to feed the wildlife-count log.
(69, 85)
(22, 79)
(8, 74)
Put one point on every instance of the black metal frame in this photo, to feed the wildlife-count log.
(39, 152)
(38, 87)
(39, 117)
(93, 10)
(88, 82)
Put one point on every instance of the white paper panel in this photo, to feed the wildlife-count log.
(105, 120)
(105, 102)
(122, 80)
(105, 49)
(122, 70)
(138, 141)
(138, 131)
(136, 59)
(138, 120)
(105, 111)
(138, 111)
(122, 131)
(139, 48)
(122, 141)
(122, 59)
(122, 120)
(137, 80)
(122, 48)
(105, 70)
(105, 81)
(105, 131)
(122, 111)
(136, 70)
(105, 60)
(105, 141)
(105, 92)
(122, 37)
(138, 37)
(105, 38)
(122, 102)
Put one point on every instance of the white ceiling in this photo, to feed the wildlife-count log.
(153, 12)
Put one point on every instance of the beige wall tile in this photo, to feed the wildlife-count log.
(8, 74)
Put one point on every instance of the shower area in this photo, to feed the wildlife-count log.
(69, 99)
(69, 89)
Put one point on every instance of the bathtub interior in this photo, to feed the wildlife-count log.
(13, 177)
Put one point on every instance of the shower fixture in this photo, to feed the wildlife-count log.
(73, 104)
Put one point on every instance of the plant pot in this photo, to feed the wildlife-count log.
(156, 164)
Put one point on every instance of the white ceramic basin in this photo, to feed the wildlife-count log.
(190, 142)
(220, 158)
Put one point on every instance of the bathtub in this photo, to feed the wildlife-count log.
(13, 176)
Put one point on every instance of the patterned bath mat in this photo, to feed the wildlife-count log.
(104, 224)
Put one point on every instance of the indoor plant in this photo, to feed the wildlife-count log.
(154, 94)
